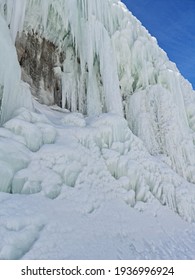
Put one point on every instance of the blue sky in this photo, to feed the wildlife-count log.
(172, 22)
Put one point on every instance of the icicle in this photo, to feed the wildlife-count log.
(17, 19)
(94, 106)
(13, 94)
(115, 64)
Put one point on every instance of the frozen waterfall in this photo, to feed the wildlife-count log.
(111, 65)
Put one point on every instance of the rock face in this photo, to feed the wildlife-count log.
(41, 62)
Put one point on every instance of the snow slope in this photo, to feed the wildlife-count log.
(94, 194)
(90, 183)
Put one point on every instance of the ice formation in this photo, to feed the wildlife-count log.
(13, 92)
(126, 127)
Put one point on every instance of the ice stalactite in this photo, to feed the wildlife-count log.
(129, 58)
(13, 92)
(90, 24)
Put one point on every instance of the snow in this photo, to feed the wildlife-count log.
(71, 194)
(6, 174)
(35, 227)
(82, 181)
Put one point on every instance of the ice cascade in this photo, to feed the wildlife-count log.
(13, 92)
(110, 64)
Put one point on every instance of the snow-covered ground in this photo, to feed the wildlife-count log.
(69, 201)
(35, 227)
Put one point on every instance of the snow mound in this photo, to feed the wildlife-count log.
(18, 234)
(6, 175)
(14, 153)
(93, 154)
(75, 119)
(33, 129)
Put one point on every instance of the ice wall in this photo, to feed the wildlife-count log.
(107, 50)
(13, 92)
(84, 22)
(112, 64)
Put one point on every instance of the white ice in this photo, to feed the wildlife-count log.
(82, 181)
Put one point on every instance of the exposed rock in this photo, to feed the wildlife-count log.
(39, 60)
